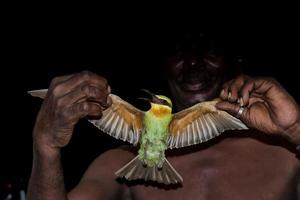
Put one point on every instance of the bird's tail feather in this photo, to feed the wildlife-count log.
(136, 170)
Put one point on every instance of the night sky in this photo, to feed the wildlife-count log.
(130, 57)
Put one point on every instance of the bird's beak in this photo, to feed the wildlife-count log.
(154, 98)
(145, 99)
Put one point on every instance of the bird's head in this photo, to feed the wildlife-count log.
(158, 99)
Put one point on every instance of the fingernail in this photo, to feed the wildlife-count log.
(229, 95)
(241, 101)
(108, 101)
(222, 92)
(109, 89)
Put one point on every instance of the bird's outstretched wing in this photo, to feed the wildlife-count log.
(200, 123)
(121, 120)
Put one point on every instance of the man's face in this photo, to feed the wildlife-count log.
(195, 77)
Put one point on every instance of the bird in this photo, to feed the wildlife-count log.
(157, 130)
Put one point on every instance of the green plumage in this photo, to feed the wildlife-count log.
(154, 139)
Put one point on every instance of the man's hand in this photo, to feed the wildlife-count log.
(68, 99)
(268, 106)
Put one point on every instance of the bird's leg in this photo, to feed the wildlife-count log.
(162, 160)
(160, 164)
(145, 153)
(146, 147)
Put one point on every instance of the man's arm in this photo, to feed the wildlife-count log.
(68, 99)
(47, 180)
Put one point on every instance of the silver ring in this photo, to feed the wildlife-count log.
(240, 112)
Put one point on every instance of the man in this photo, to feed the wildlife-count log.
(257, 164)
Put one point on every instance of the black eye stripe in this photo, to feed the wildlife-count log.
(166, 103)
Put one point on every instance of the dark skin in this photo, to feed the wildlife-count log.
(248, 165)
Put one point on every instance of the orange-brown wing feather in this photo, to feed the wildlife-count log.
(121, 120)
(200, 123)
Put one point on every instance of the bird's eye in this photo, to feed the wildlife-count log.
(166, 103)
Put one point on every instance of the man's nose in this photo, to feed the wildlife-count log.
(193, 62)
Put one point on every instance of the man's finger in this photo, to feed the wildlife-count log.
(65, 87)
(232, 108)
(246, 90)
(82, 109)
(225, 93)
(82, 93)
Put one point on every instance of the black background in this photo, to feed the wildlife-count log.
(129, 54)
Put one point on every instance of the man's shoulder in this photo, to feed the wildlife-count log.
(99, 180)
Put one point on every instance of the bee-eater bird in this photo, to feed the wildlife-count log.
(158, 129)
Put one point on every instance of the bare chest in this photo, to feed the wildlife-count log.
(242, 170)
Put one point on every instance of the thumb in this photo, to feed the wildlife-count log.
(232, 108)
